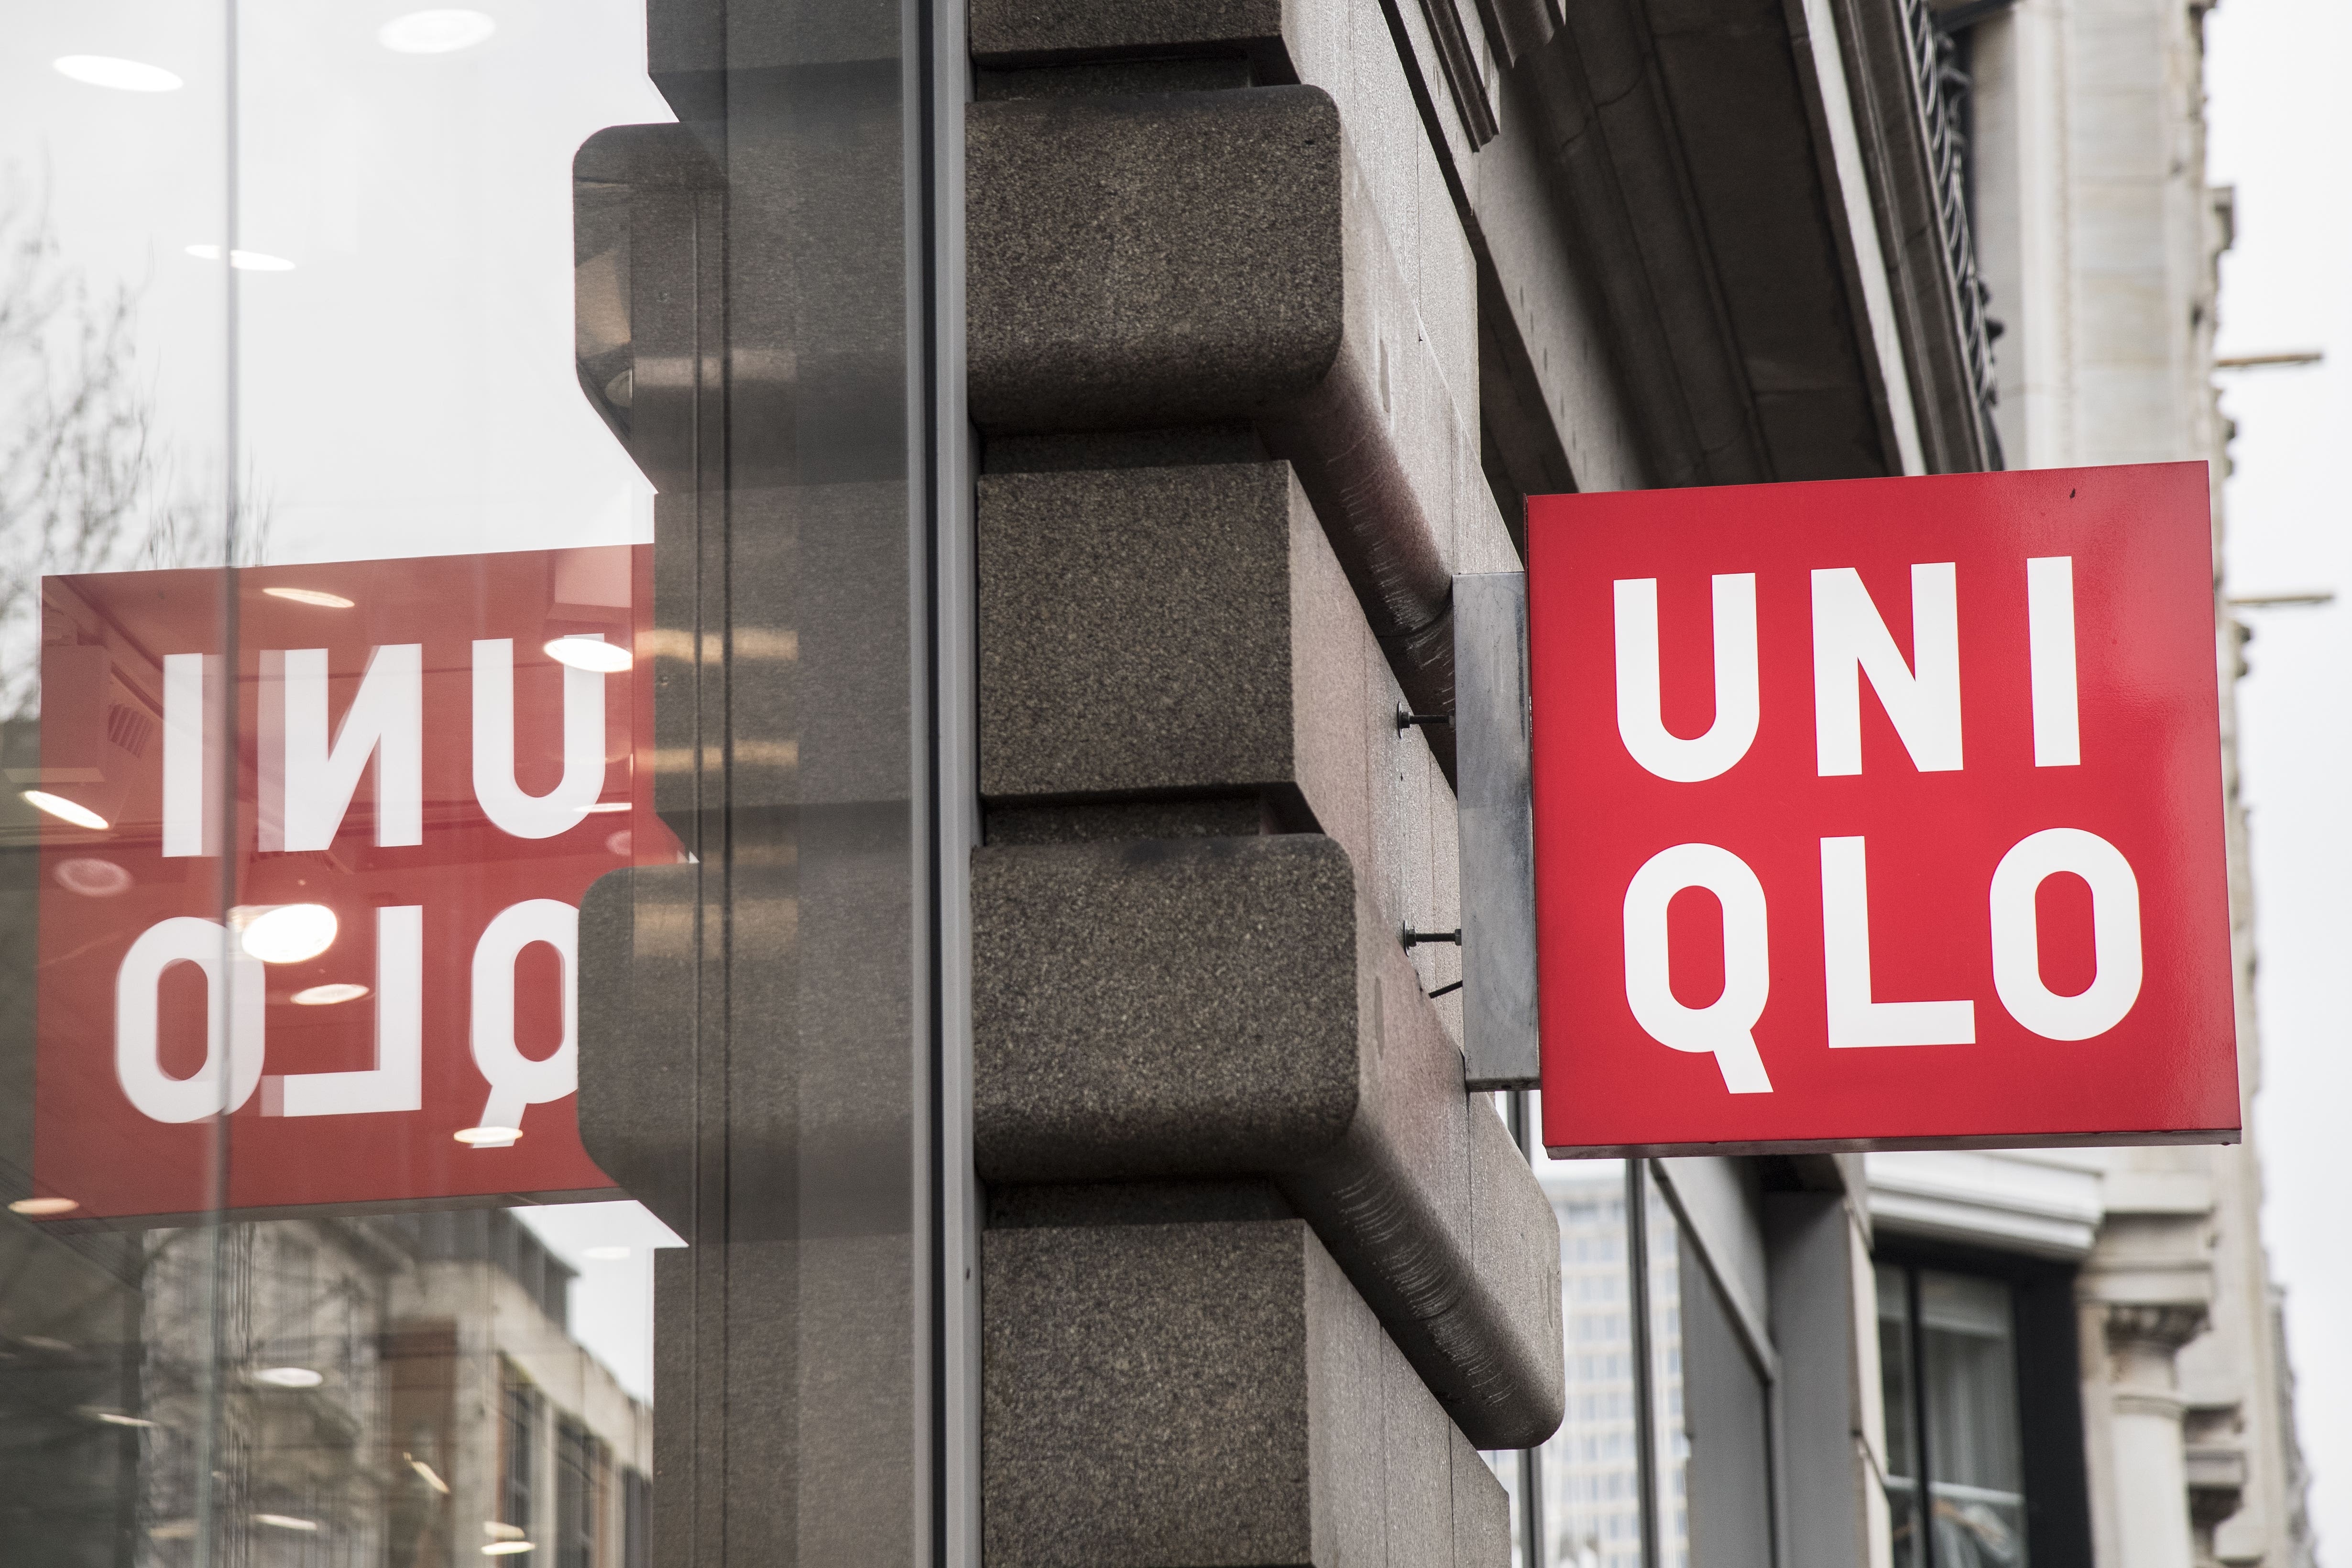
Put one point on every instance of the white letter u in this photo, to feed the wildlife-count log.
(1638, 719)
(502, 800)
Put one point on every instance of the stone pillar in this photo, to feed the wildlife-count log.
(2151, 1472)
(1260, 1275)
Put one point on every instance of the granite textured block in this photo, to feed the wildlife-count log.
(1147, 260)
(1170, 1396)
(1159, 646)
(1156, 259)
(1221, 1008)
(1067, 32)
(1136, 631)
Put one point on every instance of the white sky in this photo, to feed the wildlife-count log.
(2282, 133)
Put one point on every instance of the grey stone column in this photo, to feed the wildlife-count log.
(1260, 1275)
(2151, 1477)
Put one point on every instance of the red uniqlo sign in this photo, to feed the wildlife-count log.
(433, 758)
(1881, 813)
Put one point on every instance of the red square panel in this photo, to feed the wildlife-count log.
(1881, 813)
(418, 776)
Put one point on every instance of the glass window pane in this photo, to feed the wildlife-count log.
(1726, 1426)
(114, 457)
(1669, 1416)
(1589, 1470)
(1967, 1352)
(297, 497)
(1895, 1365)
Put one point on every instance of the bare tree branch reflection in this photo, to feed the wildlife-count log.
(86, 483)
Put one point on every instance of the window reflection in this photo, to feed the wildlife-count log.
(1947, 1355)
(327, 1387)
(1590, 1469)
(400, 1389)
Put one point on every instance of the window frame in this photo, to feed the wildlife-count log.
(2048, 1367)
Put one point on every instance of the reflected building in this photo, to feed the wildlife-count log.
(394, 1391)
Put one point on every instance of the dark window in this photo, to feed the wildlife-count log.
(1948, 1356)
(582, 1463)
(637, 1520)
(518, 1442)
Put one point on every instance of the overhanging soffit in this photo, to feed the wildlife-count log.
(1754, 186)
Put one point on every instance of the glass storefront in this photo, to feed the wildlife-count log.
(450, 461)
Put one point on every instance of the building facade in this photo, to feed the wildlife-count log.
(977, 492)
(2099, 239)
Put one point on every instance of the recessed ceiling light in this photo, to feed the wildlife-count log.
(64, 810)
(37, 1208)
(435, 32)
(288, 1377)
(288, 933)
(432, 1477)
(505, 1548)
(488, 1137)
(116, 1419)
(588, 653)
(244, 261)
(286, 1521)
(318, 596)
(128, 76)
(328, 995)
(93, 877)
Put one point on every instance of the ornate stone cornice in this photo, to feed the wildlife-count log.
(2162, 1326)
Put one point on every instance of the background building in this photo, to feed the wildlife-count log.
(2099, 239)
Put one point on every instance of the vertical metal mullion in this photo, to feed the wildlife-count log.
(1646, 1427)
(1922, 1493)
(955, 783)
(1531, 1509)
(211, 1376)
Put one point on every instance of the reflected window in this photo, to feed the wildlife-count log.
(1947, 1355)
(583, 1471)
(519, 1455)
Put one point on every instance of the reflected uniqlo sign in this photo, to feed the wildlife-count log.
(432, 761)
(1881, 813)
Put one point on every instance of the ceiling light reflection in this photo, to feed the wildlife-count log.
(288, 1377)
(435, 32)
(39, 1209)
(125, 76)
(64, 810)
(93, 877)
(328, 995)
(244, 261)
(318, 596)
(288, 933)
(588, 653)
